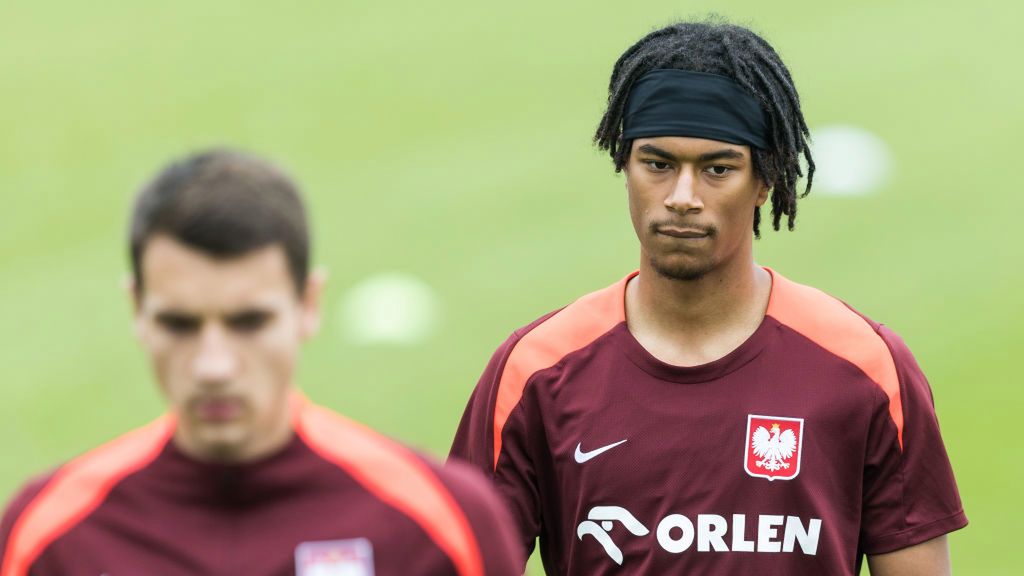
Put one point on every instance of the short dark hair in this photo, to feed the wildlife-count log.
(225, 203)
(717, 47)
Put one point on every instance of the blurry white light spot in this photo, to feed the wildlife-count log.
(849, 160)
(389, 308)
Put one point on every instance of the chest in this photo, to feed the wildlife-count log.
(767, 437)
(336, 531)
(767, 459)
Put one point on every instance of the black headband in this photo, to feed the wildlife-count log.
(669, 102)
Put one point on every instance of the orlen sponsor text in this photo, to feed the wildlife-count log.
(676, 533)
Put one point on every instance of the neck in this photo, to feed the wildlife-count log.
(689, 322)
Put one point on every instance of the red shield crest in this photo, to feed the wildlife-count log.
(774, 446)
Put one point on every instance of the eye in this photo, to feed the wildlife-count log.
(657, 165)
(718, 170)
(178, 324)
(250, 321)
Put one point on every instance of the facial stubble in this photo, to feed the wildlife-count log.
(682, 271)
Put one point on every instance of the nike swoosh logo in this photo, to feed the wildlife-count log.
(582, 456)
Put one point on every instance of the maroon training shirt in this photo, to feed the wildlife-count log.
(339, 499)
(811, 444)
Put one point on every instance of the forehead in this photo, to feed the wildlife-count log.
(176, 275)
(687, 146)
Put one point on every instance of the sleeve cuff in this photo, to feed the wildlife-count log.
(906, 538)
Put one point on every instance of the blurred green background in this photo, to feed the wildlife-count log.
(451, 141)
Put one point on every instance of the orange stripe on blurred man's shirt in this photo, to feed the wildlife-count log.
(77, 489)
(397, 477)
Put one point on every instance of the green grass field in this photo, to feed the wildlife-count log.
(451, 141)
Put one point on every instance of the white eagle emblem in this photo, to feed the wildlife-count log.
(773, 448)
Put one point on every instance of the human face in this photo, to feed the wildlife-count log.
(692, 204)
(223, 336)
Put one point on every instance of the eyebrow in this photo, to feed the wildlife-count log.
(175, 315)
(723, 154)
(255, 310)
(248, 313)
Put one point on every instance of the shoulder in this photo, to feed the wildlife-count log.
(52, 504)
(584, 319)
(28, 492)
(398, 476)
(473, 491)
(15, 510)
(839, 329)
(545, 341)
(489, 518)
(828, 322)
(20, 501)
(386, 467)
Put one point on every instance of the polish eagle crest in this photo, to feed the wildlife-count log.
(773, 448)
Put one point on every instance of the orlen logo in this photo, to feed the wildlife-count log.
(676, 533)
(606, 515)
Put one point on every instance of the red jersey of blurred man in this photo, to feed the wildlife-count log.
(243, 475)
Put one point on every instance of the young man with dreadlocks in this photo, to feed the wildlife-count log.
(705, 415)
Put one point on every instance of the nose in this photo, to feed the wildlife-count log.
(215, 362)
(683, 198)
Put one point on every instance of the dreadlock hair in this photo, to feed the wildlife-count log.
(717, 47)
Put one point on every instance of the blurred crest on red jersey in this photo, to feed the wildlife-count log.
(773, 447)
(335, 558)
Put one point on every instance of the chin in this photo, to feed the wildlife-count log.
(684, 271)
(223, 443)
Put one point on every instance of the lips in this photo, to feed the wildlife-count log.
(218, 409)
(685, 232)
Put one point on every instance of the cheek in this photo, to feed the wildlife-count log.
(159, 346)
(170, 360)
(274, 355)
(637, 211)
(740, 202)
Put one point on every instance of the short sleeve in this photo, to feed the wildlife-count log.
(474, 443)
(910, 494)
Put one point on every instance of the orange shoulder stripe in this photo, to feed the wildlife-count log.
(395, 476)
(830, 324)
(571, 329)
(77, 489)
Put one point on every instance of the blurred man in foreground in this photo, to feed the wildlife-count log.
(705, 415)
(244, 475)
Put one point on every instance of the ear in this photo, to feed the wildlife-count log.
(763, 191)
(311, 303)
(130, 289)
